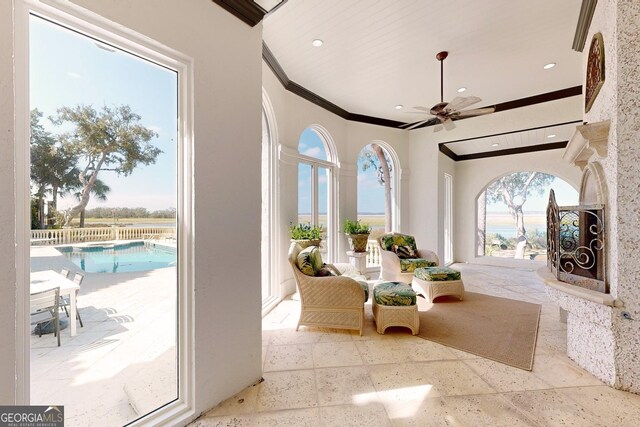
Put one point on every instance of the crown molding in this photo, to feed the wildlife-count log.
(291, 86)
(584, 22)
(245, 10)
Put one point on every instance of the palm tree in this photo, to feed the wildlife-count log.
(99, 191)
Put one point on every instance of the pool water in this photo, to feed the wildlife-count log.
(120, 258)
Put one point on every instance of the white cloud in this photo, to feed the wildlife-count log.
(367, 180)
(313, 152)
(74, 75)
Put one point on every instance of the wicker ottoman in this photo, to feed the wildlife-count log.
(434, 282)
(394, 304)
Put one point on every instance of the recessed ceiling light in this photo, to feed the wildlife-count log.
(553, 135)
(549, 65)
(495, 144)
(317, 42)
(461, 89)
(399, 107)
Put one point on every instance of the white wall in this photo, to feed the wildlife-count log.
(7, 210)
(472, 176)
(445, 165)
(424, 215)
(294, 115)
(227, 97)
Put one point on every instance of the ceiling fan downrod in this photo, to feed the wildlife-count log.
(441, 56)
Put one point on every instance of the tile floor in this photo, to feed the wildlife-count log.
(323, 377)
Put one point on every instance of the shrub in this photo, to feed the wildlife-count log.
(305, 231)
(355, 227)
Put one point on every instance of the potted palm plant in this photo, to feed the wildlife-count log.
(306, 234)
(358, 234)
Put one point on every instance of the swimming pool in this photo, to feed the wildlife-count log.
(120, 258)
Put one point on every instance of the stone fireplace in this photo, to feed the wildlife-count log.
(576, 235)
(578, 250)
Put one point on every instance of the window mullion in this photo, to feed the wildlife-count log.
(314, 194)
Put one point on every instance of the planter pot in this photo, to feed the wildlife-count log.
(306, 243)
(358, 242)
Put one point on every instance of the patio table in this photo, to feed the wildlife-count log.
(49, 279)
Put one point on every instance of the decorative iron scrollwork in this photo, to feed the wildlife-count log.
(576, 244)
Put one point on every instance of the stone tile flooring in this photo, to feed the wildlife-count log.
(323, 377)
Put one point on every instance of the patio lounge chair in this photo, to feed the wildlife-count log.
(400, 257)
(331, 301)
(45, 308)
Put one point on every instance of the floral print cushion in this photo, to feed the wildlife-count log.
(309, 260)
(404, 252)
(434, 274)
(410, 265)
(394, 293)
(393, 241)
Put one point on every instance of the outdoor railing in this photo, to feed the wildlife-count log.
(373, 255)
(97, 234)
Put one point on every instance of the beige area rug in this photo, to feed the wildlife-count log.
(499, 329)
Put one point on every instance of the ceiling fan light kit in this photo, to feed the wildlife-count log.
(446, 112)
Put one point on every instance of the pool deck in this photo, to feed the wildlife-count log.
(129, 330)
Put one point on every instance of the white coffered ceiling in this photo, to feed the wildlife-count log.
(380, 53)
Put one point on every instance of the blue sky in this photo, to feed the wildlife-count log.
(68, 69)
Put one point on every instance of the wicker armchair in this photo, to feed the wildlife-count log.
(395, 269)
(332, 301)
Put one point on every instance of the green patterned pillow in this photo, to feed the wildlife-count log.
(309, 260)
(404, 252)
(324, 272)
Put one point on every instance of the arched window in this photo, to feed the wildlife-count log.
(378, 187)
(269, 240)
(512, 214)
(316, 173)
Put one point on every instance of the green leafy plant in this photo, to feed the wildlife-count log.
(355, 227)
(305, 231)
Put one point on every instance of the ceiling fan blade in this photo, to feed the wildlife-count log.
(416, 124)
(472, 113)
(459, 103)
(448, 124)
(424, 123)
(421, 108)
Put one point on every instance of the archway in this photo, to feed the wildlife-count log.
(511, 219)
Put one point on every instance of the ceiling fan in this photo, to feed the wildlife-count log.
(446, 112)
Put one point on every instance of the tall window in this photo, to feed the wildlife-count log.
(377, 188)
(109, 207)
(269, 248)
(512, 214)
(316, 171)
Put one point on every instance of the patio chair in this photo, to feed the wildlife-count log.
(400, 257)
(66, 302)
(335, 301)
(65, 272)
(45, 308)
